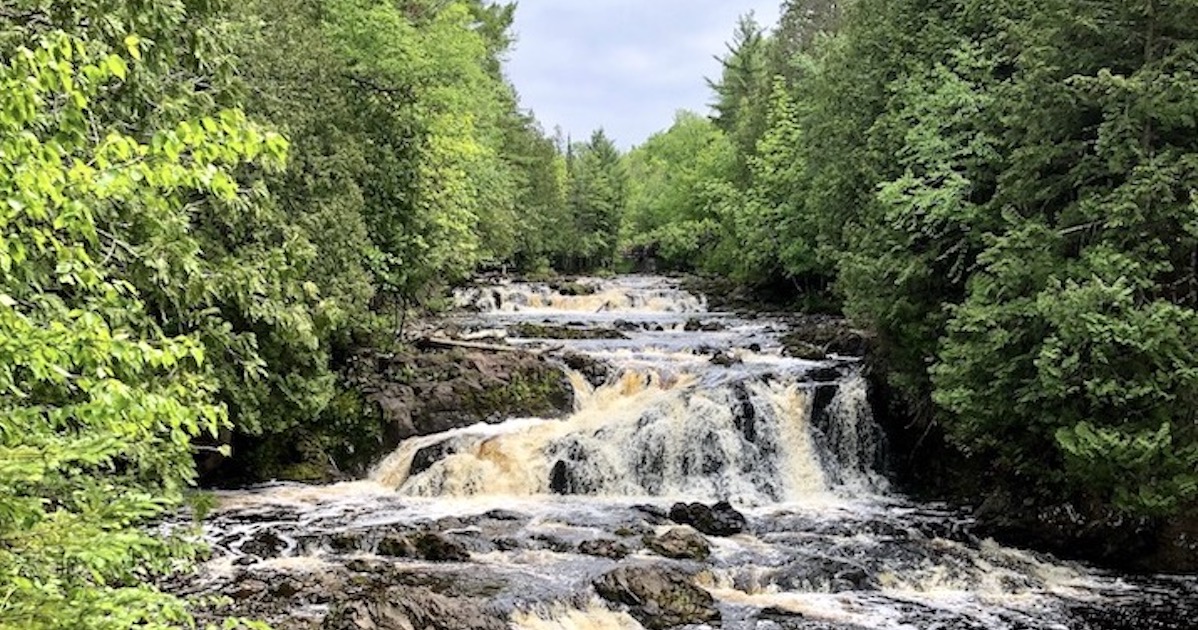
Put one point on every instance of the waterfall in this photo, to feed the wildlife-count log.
(665, 424)
(516, 524)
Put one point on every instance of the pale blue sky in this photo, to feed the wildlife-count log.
(624, 65)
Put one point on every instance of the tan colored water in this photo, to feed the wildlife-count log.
(827, 546)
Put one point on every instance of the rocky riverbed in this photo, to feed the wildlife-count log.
(707, 477)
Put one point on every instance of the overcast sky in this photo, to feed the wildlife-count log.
(624, 65)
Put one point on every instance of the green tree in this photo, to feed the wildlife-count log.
(673, 191)
(595, 202)
(99, 404)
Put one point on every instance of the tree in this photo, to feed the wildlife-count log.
(673, 193)
(100, 404)
(596, 202)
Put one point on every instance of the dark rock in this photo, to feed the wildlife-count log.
(680, 543)
(560, 481)
(431, 392)
(286, 588)
(390, 397)
(507, 544)
(429, 455)
(573, 288)
(246, 589)
(825, 374)
(720, 519)
(815, 337)
(807, 351)
(504, 515)
(543, 331)
(604, 548)
(1067, 530)
(403, 608)
(658, 597)
(626, 326)
(653, 514)
(346, 542)
(596, 372)
(825, 575)
(265, 544)
(726, 359)
(424, 546)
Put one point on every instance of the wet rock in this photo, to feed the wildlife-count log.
(596, 372)
(815, 337)
(825, 574)
(680, 543)
(626, 326)
(726, 358)
(559, 478)
(422, 393)
(720, 519)
(286, 588)
(265, 544)
(806, 351)
(413, 609)
(246, 589)
(544, 331)
(825, 374)
(391, 397)
(653, 514)
(658, 597)
(346, 542)
(424, 546)
(695, 324)
(504, 515)
(429, 455)
(604, 548)
(573, 288)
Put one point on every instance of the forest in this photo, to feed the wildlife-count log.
(209, 205)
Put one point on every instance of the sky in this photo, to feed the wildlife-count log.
(624, 65)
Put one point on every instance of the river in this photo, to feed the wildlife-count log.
(528, 515)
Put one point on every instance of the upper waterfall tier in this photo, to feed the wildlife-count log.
(629, 295)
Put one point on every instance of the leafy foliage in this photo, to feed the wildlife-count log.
(99, 404)
(1005, 194)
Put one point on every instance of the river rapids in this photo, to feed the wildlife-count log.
(518, 524)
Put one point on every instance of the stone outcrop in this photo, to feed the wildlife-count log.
(680, 543)
(720, 519)
(658, 597)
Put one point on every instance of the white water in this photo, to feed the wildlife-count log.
(827, 545)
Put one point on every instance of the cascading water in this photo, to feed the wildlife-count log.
(649, 434)
(526, 515)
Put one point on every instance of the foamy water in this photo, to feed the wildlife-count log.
(827, 545)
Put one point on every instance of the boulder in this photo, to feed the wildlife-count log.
(423, 546)
(658, 597)
(680, 543)
(413, 609)
(596, 372)
(726, 358)
(604, 548)
(720, 519)
(265, 544)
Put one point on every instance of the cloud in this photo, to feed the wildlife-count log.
(624, 65)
